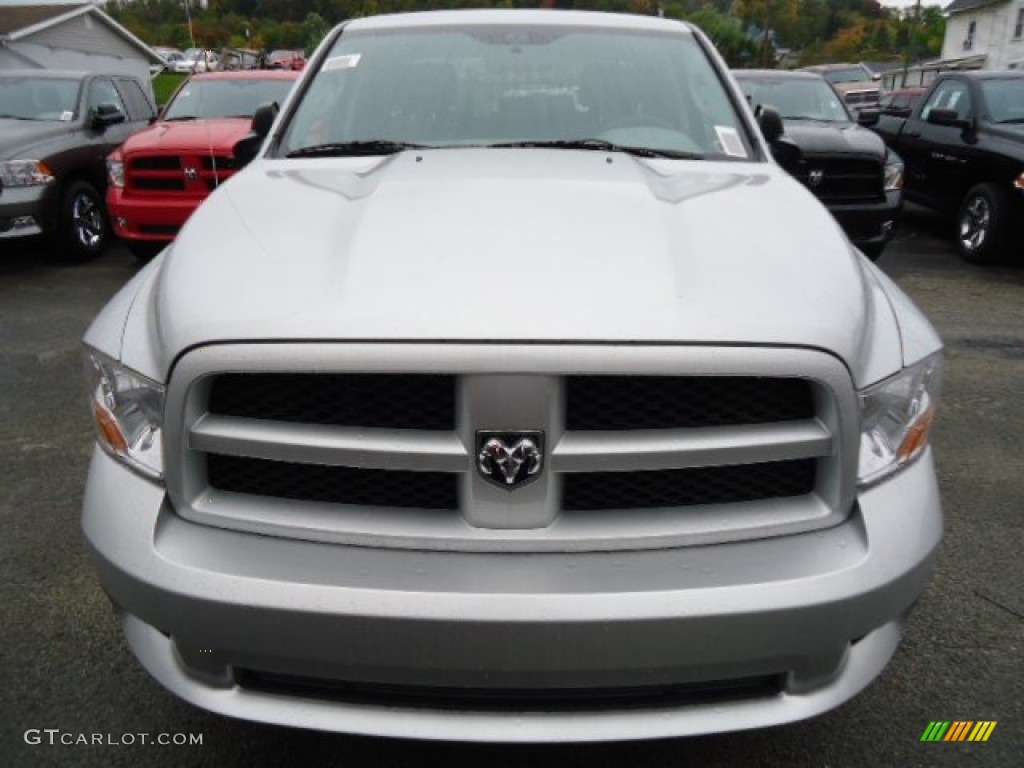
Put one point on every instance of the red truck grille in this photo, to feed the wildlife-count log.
(184, 175)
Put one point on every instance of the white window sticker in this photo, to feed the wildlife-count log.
(67, 116)
(730, 141)
(348, 61)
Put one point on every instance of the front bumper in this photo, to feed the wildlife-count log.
(153, 219)
(25, 211)
(205, 609)
(870, 224)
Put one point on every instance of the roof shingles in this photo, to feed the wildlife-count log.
(17, 17)
(959, 6)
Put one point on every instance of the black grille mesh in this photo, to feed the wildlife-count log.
(143, 182)
(687, 487)
(157, 163)
(337, 485)
(844, 180)
(513, 699)
(671, 402)
(384, 401)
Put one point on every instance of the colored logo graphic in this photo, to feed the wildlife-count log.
(958, 730)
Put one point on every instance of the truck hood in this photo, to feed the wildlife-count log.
(216, 136)
(512, 245)
(18, 137)
(821, 138)
(1013, 133)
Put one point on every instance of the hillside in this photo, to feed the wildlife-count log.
(821, 30)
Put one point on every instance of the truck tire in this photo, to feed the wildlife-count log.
(983, 224)
(82, 230)
(873, 251)
(144, 250)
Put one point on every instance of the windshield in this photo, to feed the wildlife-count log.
(225, 98)
(795, 99)
(483, 85)
(848, 75)
(1005, 99)
(38, 98)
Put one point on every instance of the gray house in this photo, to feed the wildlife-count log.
(75, 37)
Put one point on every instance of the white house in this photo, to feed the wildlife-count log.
(75, 37)
(993, 29)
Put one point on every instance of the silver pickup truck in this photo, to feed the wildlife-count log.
(513, 392)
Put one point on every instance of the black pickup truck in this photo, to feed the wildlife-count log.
(963, 150)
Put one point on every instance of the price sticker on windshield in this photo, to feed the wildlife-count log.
(730, 141)
(348, 61)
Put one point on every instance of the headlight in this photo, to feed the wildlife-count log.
(24, 173)
(115, 170)
(896, 418)
(893, 175)
(128, 412)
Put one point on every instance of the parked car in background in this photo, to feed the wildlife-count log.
(512, 393)
(844, 164)
(963, 145)
(171, 56)
(197, 60)
(56, 129)
(294, 60)
(160, 175)
(234, 59)
(856, 83)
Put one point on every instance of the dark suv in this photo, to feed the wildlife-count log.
(845, 165)
(56, 130)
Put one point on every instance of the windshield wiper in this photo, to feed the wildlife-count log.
(356, 148)
(600, 145)
(179, 118)
(1011, 121)
(19, 117)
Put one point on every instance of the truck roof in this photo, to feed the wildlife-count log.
(546, 18)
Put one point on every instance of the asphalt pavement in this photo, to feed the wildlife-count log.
(66, 674)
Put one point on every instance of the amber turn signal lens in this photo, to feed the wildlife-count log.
(108, 430)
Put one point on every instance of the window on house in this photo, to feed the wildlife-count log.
(969, 40)
(1018, 29)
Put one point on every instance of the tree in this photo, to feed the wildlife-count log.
(314, 29)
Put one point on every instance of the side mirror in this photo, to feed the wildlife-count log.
(249, 145)
(785, 152)
(770, 123)
(947, 117)
(868, 117)
(106, 115)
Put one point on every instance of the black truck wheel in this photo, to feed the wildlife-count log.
(82, 230)
(983, 224)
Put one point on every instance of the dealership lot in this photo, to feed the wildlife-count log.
(66, 666)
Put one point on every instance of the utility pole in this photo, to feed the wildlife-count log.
(188, 16)
(910, 37)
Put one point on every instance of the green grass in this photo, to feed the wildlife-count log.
(164, 85)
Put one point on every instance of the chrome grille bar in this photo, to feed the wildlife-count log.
(330, 446)
(682, 448)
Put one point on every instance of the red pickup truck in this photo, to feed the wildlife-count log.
(160, 175)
